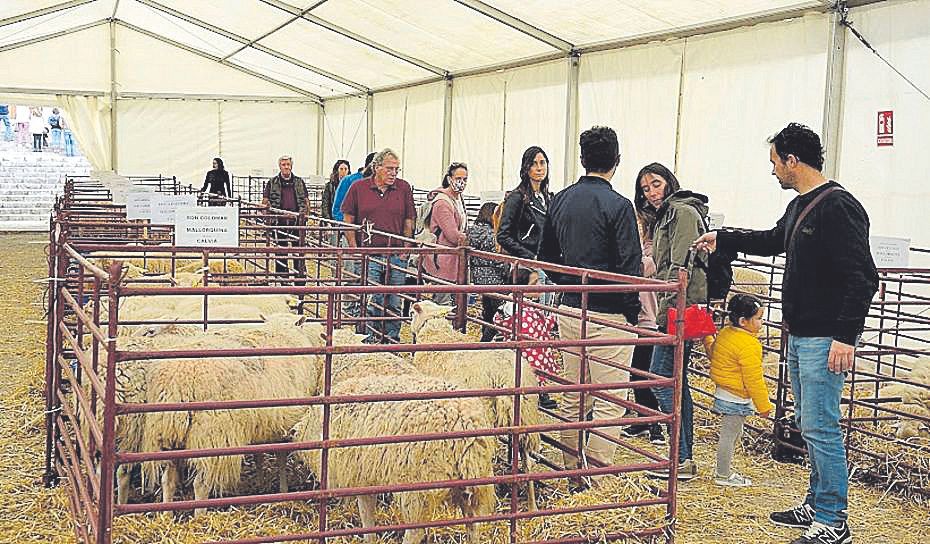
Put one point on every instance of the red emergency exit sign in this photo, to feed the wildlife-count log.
(885, 133)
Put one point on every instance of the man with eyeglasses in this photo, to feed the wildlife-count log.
(382, 202)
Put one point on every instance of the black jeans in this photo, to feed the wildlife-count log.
(288, 238)
(489, 306)
(642, 358)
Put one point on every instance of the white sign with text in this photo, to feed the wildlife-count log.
(890, 252)
(139, 205)
(164, 206)
(715, 221)
(207, 227)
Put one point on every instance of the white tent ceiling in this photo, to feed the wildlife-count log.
(327, 48)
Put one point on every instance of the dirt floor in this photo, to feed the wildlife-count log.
(31, 513)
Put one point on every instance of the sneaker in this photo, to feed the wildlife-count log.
(735, 479)
(818, 533)
(799, 517)
(656, 436)
(687, 470)
(635, 430)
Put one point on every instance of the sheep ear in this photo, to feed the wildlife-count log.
(417, 307)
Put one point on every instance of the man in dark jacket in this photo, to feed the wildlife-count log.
(592, 226)
(828, 285)
(288, 192)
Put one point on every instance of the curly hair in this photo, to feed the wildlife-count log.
(600, 149)
(802, 142)
(334, 175)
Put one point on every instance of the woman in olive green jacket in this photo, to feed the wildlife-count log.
(677, 218)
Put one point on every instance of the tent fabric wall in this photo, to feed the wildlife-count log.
(478, 129)
(252, 135)
(345, 132)
(635, 92)
(88, 117)
(890, 181)
(409, 121)
(739, 88)
(74, 62)
(170, 137)
(497, 116)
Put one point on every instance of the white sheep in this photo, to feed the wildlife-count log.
(422, 461)
(484, 369)
(753, 282)
(214, 379)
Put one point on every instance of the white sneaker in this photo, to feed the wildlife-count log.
(735, 479)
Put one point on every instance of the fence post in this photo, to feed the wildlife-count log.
(50, 477)
(461, 299)
(108, 449)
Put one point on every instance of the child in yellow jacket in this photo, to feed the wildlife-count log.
(736, 369)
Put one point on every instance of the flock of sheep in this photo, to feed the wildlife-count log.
(283, 377)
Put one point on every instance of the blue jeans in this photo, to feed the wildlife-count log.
(663, 362)
(69, 143)
(8, 128)
(391, 303)
(817, 394)
(55, 138)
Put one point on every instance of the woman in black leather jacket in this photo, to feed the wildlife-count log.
(525, 208)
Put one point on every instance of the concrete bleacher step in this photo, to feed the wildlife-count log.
(30, 183)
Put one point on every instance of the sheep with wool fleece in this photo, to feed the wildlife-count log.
(479, 369)
(421, 461)
(216, 379)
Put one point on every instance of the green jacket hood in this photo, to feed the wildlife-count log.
(683, 197)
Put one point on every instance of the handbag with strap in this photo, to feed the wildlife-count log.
(698, 320)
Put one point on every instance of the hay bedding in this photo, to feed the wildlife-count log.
(708, 514)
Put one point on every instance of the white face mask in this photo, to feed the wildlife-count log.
(458, 184)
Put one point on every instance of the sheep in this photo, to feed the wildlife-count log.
(906, 428)
(485, 369)
(753, 282)
(432, 460)
(191, 380)
(161, 264)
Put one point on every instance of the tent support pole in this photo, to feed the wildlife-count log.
(833, 94)
(113, 160)
(320, 133)
(571, 121)
(370, 122)
(447, 124)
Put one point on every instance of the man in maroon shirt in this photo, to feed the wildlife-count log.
(288, 192)
(382, 202)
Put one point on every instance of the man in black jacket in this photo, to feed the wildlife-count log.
(828, 285)
(592, 226)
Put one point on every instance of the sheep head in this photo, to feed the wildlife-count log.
(424, 311)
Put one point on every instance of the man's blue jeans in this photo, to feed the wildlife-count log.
(663, 363)
(55, 135)
(8, 128)
(377, 276)
(817, 394)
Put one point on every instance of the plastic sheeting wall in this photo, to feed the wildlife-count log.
(497, 116)
(409, 121)
(739, 88)
(345, 133)
(635, 92)
(891, 181)
(176, 137)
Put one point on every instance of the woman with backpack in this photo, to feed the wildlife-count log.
(679, 219)
(486, 271)
(447, 221)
